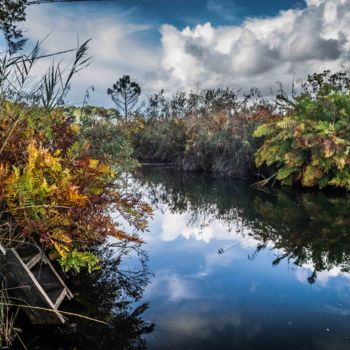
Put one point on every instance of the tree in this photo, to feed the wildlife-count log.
(12, 12)
(125, 94)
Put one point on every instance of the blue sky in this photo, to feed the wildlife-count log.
(191, 12)
(187, 44)
(182, 13)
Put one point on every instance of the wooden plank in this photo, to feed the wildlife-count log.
(69, 294)
(35, 282)
(61, 298)
(42, 258)
(2, 250)
(34, 260)
(27, 289)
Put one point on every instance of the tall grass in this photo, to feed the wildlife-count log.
(210, 131)
(8, 315)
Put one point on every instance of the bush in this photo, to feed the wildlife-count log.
(310, 143)
(55, 191)
(215, 140)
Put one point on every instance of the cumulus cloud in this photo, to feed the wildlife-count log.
(174, 226)
(256, 53)
(261, 51)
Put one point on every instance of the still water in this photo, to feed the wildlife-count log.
(225, 266)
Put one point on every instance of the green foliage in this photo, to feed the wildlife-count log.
(310, 145)
(76, 260)
(109, 138)
(12, 12)
(125, 94)
(204, 130)
(263, 130)
(54, 189)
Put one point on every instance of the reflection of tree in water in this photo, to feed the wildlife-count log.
(111, 294)
(204, 198)
(305, 227)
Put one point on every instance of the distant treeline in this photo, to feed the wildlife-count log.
(302, 138)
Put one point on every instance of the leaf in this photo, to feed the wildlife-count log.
(286, 123)
(263, 130)
(93, 163)
(284, 172)
(61, 241)
(75, 197)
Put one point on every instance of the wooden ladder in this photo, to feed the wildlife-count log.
(33, 280)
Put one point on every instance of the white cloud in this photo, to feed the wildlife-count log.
(174, 226)
(256, 53)
(260, 51)
(185, 326)
(115, 46)
(323, 277)
(169, 284)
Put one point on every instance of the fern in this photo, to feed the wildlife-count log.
(286, 123)
(61, 241)
(263, 130)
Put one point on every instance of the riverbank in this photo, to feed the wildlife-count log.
(301, 140)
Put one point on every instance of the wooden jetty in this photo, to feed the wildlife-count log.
(33, 281)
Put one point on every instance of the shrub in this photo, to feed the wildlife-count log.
(55, 191)
(310, 142)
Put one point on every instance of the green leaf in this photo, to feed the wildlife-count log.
(284, 172)
(263, 130)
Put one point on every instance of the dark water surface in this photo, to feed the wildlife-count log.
(237, 268)
(232, 268)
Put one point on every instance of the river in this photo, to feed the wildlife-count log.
(224, 266)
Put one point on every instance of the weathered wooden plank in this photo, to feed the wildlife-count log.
(34, 260)
(27, 290)
(34, 281)
(62, 296)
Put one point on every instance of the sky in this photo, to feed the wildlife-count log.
(188, 44)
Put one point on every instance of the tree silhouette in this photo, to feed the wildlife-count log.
(125, 94)
(12, 12)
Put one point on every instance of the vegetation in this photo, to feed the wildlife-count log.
(109, 137)
(56, 185)
(209, 131)
(8, 315)
(310, 142)
(125, 94)
(303, 139)
(62, 169)
(55, 191)
(12, 13)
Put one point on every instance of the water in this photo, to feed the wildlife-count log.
(236, 268)
(230, 267)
